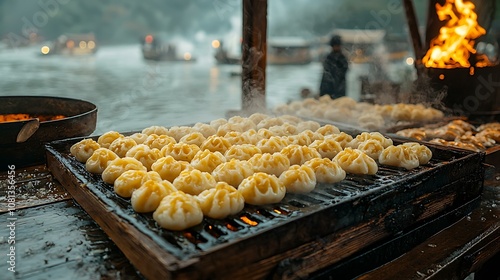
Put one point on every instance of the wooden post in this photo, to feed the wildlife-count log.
(254, 50)
(411, 19)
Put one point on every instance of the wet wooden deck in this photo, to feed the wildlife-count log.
(55, 238)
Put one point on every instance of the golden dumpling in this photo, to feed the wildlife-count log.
(121, 146)
(262, 188)
(138, 137)
(180, 151)
(84, 149)
(424, 154)
(290, 119)
(144, 154)
(232, 172)
(194, 181)
(151, 175)
(178, 211)
(177, 132)
(107, 138)
(194, 138)
(274, 164)
(328, 129)
(308, 125)
(246, 123)
(207, 161)
(242, 152)
(326, 170)
(155, 141)
(216, 144)
(265, 133)
(342, 138)
(269, 122)
(148, 197)
(221, 201)
(235, 138)
(373, 148)
(205, 129)
(399, 156)
(299, 179)
(364, 136)
(169, 168)
(229, 127)
(251, 136)
(327, 148)
(117, 166)
(285, 129)
(271, 145)
(258, 117)
(155, 129)
(299, 154)
(355, 161)
(128, 182)
(99, 160)
(216, 123)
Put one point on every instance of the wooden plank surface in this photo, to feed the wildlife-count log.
(33, 186)
(60, 241)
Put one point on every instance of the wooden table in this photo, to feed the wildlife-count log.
(56, 239)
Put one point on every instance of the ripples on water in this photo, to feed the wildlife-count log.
(132, 94)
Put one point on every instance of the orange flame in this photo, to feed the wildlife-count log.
(456, 39)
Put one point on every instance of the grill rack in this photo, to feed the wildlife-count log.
(327, 210)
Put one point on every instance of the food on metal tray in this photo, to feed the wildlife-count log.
(184, 173)
(299, 154)
(327, 148)
(242, 152)
(457, 133)
(326, 170)
(194, 181)
(180, 151)
(275, 163)
(233, 172)
(262, 188)
(155, 129)
(355, 161)
(399, 156)
(373, 148)
(84, 149)
(221, 201)
(144, 154)
(299, 179)
(178, 211)
(128, 182)
(117, 166)
(122, 145)
(168, 168)
(148, 197)
(207, 161)
(107, 138)
(99, 160)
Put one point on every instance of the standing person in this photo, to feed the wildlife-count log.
(334, 71)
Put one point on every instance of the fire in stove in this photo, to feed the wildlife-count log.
(454, 44)
(455, 68)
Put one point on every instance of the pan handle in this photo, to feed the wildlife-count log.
(29, 128)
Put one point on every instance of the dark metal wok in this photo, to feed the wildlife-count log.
(80, 120)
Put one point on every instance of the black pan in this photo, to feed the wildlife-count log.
(21, 142)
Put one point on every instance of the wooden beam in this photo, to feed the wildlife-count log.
(254, 53)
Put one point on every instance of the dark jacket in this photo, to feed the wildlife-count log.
(334, 71)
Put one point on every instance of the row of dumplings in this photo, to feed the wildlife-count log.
(362, 114)
(215, 176)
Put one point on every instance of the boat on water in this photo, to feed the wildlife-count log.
(157, 48)
(280, 51)
(71, 44)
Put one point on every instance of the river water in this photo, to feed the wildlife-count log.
(132, 93)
